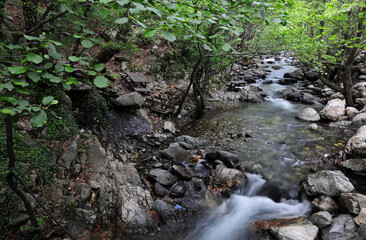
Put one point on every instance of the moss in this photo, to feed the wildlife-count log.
(94, 107)
(61, 123)
(30, 156)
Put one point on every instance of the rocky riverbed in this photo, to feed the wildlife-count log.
(145, 180)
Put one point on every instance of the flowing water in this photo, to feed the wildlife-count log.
(276, 144)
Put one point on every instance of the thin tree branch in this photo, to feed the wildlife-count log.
(39, 25)
(8, 26)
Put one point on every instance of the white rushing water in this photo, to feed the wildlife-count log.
(230, 220)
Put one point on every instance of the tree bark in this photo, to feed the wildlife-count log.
(10, 176)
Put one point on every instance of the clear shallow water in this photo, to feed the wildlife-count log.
(280, 145)
(230, 220)
(277, 144)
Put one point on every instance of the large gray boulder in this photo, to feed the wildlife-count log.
(162, 176)
(358, 90)
(174, 151)
(356, 165)
(133, 99)
(308, 114)
(352, 202)
(333, 110)
(356, 145)
(359, 119)
(188, 142)
(331, 183)
(343, 228)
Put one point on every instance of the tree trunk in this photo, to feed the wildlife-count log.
(10, 176)
(194, 75)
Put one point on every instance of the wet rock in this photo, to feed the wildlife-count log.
(333, 110)
(321, 219)
(248, 96)
(311, 75)
(85, 191)
(351, 112)
(352, 202)
(343, 228)
(356, 165)
(163, 209)
(162, 176)
(361, 218)
(308, 98)
(188, 142)
(133, 99)
(331, 183)
(228, 158)
(359, 119)
(296, 74)
(313, 127)
(337, 95)
(70, 154)
(358, 90)
(227, 177)
(176, 152)
(160, 190)
(340, 124)
(292, 94)
(325, 203)
(287, 81)
(182, 172)
(356, 145)
(169, 126)
(289, 229)
(308, 114)
(178, 190)
(97, 156)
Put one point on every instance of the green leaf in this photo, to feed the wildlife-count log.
(168, 36)
(47, 100)
(78, 36)
(34, 58)
(206, 47)
(17, 69)
(59, 68)
(72, 80)
(31, 38)
(86, 44)
(106, 1)
(149, 33)
(23, 104)
(121, 20)
(48, 65)
(226, 47)
(123, 2)
(34, 76)
(74, 59)
(39, 119)
(8, 86)
(53, 52)
(55, 79)
(101, 82)
(56, 43)
(92, 73)
(21, 89)
(98, 67)
(69, 69)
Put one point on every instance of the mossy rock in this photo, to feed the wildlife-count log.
(93, 107)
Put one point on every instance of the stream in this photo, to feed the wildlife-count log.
(276, 144)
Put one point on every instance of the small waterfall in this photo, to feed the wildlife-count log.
(231, 219)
